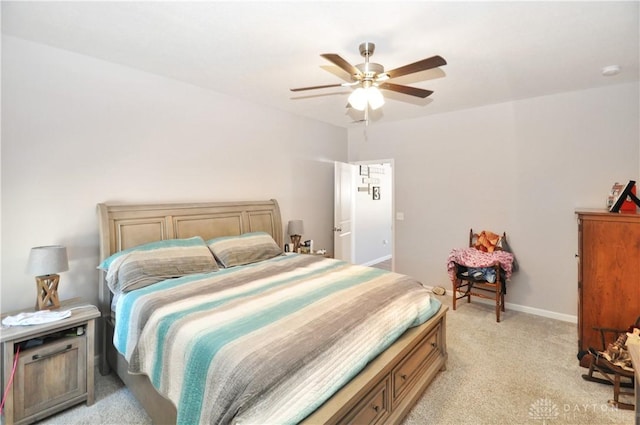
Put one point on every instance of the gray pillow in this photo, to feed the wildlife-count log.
(150, 263)
(244, 249)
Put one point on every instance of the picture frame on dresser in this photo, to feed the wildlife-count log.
(626, 192)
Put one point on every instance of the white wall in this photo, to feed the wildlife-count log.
(77, 131)
(521, 167)
(373, 218)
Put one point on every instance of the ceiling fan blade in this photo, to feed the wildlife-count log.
(422, 65)
(316, 87)
(343, 64)
(412, 91)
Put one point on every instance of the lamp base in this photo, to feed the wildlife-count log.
(295, 240)
(47, 290)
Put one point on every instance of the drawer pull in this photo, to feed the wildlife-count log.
(433, 344)
(40, 357)
(375, 408)
(403, 377)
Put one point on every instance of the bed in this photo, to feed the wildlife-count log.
(380, 389)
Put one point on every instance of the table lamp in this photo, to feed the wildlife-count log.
(296, 229)
(44, 263)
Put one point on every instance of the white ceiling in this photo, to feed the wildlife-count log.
(496, 51)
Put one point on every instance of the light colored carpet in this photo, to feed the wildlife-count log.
(522, 370)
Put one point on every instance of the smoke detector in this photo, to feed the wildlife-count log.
(611, 70)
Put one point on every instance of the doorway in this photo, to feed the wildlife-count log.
(373, 226)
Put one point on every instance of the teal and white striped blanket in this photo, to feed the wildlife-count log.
(265, 343)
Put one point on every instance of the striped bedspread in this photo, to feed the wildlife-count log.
(267, 342)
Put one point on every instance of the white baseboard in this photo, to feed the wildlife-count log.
(377, 260)
(525, 309)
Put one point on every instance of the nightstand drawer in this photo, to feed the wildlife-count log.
(50, 375)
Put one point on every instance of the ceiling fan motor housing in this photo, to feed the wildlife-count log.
(370, 70)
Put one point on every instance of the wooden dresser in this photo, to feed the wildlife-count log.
(608, 273)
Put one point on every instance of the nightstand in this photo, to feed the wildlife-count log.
(54, 368)
(325, 255)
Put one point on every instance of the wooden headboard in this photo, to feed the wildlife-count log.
(124, 226)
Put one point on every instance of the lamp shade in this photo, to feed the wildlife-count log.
(296, 227)
(44, 260)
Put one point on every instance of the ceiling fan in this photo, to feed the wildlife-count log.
(369, 77)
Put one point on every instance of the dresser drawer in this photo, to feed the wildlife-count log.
(404, 373)
(374, 408)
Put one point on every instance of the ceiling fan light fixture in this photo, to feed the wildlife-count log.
(361, 97)
(358, 99)
(375, 97)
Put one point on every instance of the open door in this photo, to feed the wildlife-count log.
(343, 211)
